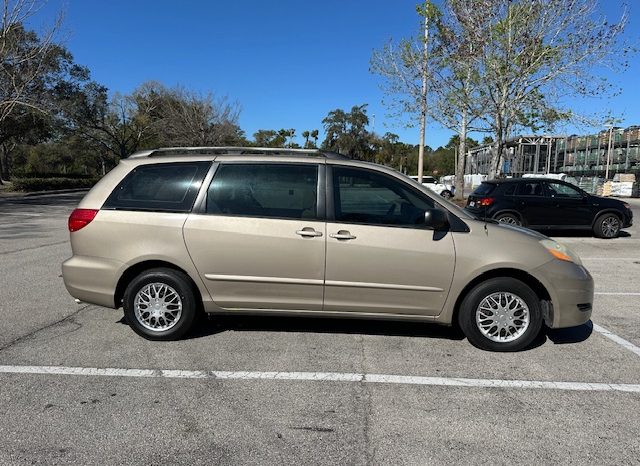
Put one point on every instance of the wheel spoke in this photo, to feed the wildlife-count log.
(502, 317)
(157, 307)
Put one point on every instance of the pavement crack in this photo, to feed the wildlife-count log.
(369, 450)
(31, 334)
(4, 253)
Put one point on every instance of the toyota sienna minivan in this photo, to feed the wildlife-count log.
(171, 233)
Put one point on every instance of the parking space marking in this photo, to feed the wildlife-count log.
(619, 340)
(616, 293)
(322, 377)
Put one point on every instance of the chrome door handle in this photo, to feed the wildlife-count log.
(342, 234)
(308, 232)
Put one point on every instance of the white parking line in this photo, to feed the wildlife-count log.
(619, 340)
(616, 293)
(321, 377)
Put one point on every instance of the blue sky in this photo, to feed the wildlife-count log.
(288, 63)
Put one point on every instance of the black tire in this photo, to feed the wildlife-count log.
(176, 283)
(469, 309)
(607, 226)
(446, 194)
(509, 219)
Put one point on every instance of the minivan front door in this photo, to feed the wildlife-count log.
(259, 243)
(379, 259)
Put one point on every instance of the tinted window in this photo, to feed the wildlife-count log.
(509, 189)
(484, 189)
(169, 187)
(265, 190)
(363, 196)
(530, 188)
(562, 190)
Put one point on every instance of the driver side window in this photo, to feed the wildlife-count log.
(563, 191)
(363, 196)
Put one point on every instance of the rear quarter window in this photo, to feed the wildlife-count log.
(484, 189)
(166, 187)
(509, 189)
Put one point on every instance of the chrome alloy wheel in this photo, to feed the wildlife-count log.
(157, 307)
(502, 317)
(509, 220)
(610, 226)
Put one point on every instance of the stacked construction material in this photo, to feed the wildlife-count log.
(607, 189)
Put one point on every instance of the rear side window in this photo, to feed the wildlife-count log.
(264, 190)
(509, 189)
(166, 187)
(484, 189)
(530, 188)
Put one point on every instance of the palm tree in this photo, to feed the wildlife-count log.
(305, 135)
(314, 135)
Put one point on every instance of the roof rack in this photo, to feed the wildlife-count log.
(232, 150)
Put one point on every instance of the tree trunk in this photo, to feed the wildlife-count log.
(462, 156)
(423, 100)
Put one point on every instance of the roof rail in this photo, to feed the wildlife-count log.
(231, 150)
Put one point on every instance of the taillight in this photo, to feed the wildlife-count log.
(486, 201)
(80, 218)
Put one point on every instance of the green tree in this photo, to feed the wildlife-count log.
(346, 133)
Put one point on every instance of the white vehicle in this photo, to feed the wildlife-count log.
(434, 185)
(553, 176)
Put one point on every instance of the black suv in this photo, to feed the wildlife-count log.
(541, 203)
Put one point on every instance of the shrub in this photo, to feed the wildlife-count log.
(50, 184)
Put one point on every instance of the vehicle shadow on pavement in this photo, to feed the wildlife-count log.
(220, 324)
(563, 336)
(579, 234)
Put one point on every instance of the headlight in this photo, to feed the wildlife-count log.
(560, 251)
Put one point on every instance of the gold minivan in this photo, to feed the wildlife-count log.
(170, 233)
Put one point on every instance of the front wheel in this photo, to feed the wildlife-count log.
(446, 194)
(160, 304)
(501, 314)
(607, 226)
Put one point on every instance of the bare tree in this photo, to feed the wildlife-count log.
(406, 73)
(533, 55)
(191, 119)
(23, 54)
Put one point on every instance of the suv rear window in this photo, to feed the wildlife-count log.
(166, 187)
(264, 190)
(484, 189)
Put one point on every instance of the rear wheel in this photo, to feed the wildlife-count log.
(501, 314)
(160, 304)
(509, 219)
(446, 194)
(607, 226)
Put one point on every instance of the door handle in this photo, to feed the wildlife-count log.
(342, 234)
(308, 232)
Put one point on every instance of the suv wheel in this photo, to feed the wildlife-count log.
(159, 304)
(607, 226)
(509, 219)
(501, 314)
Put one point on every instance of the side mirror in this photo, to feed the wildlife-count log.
(436, 219)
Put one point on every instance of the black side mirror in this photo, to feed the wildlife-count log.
(436, 219)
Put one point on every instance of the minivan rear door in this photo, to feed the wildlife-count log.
(258, 239)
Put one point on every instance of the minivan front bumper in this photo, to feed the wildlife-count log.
(571, 289)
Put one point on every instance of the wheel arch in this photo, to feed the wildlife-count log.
(136, 269)
(609, 210)
(538, 288)
(508, 211)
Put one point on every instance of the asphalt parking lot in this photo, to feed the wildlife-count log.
(78, 386)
